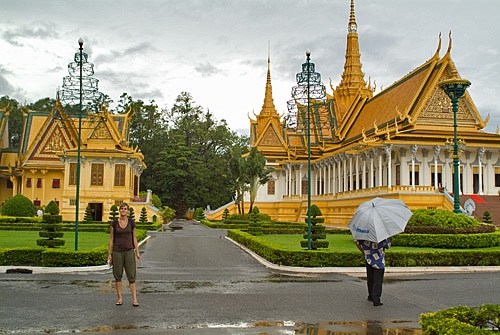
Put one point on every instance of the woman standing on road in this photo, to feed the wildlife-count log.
(122, 252)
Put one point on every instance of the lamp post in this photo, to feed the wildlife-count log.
(308, 87)
(455, 88)
(308, 60)
(80, 43)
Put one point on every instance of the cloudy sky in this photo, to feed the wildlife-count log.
(217, 49)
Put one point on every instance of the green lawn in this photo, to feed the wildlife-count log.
(338, 242)
(86, 240)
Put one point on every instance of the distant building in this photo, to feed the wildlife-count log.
(45, 166)
(390, 144)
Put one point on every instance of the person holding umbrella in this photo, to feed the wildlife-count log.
(375, 267)
(371, 226)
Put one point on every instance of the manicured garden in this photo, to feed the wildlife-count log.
(431, 238)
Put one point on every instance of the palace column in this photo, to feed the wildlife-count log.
(380, 182)
(363, 178)
(344, 160)
(356, 173)
(372, 172)
(388, 149)
(298, 182)
(437, 149)
(351, 185)
(480, 154)
(328, 187)
(414, 149)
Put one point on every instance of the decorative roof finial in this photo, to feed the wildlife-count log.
(353, 27)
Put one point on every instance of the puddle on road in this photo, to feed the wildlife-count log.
(360, 328)
(287, 327)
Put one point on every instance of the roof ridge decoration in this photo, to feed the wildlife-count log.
(56, 135)
(268, 114)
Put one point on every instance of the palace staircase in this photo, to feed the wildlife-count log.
(484, 203)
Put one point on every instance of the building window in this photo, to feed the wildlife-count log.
(56, 183)
(39, 183)
(417, 179)
(497, 176)
(28, 182)
(72, 174)
(37, 203)
(120, 174)
(304, 186)
(97, 175)
(271, 187)
(9, 184)
(72, 202)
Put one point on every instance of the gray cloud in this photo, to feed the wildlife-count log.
(36, 30)
(207, 70)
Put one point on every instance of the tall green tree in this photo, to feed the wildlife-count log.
(15, 123)
(236, 166)
(256, 173)
(191, 168)
(148, 130)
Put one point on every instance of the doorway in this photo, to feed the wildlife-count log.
(96, 208)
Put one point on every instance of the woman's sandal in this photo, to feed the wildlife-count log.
(119, 303)
(135, 304)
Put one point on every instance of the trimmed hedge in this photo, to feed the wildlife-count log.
(87, 227)
(277, 254)
(447, 241)
(462, 320)
(58, 257)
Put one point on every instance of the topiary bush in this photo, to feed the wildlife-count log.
(441, 218)
(144, 215)
(88, 215)
(113, 213)
(52, 208)
(487, 217)
(317, 231)
(225, 214)
(18, 205)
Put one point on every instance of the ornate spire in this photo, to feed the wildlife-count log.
(353, 77)
(268, 108)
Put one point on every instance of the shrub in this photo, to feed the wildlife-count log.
(487, 217)
(441, 218)
(52, 208)
(167, 214)
(462, 320)
(317, 230)
(144, 215)
(18, 205)
(88, 215)
(131, 213)
(225, 214)
(199, 214)
(113, 213)
(51, 235)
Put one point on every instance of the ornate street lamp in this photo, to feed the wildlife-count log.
(455, 88)
(308, 87)
(80, 61)
(80, 88)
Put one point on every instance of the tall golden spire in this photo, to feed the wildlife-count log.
(268, 109)
(353, 77)
(268, 114)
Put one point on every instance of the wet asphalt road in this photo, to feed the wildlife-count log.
(194, 281)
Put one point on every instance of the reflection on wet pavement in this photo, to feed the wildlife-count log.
(360, 328)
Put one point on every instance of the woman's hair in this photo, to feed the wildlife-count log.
(124, 204)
